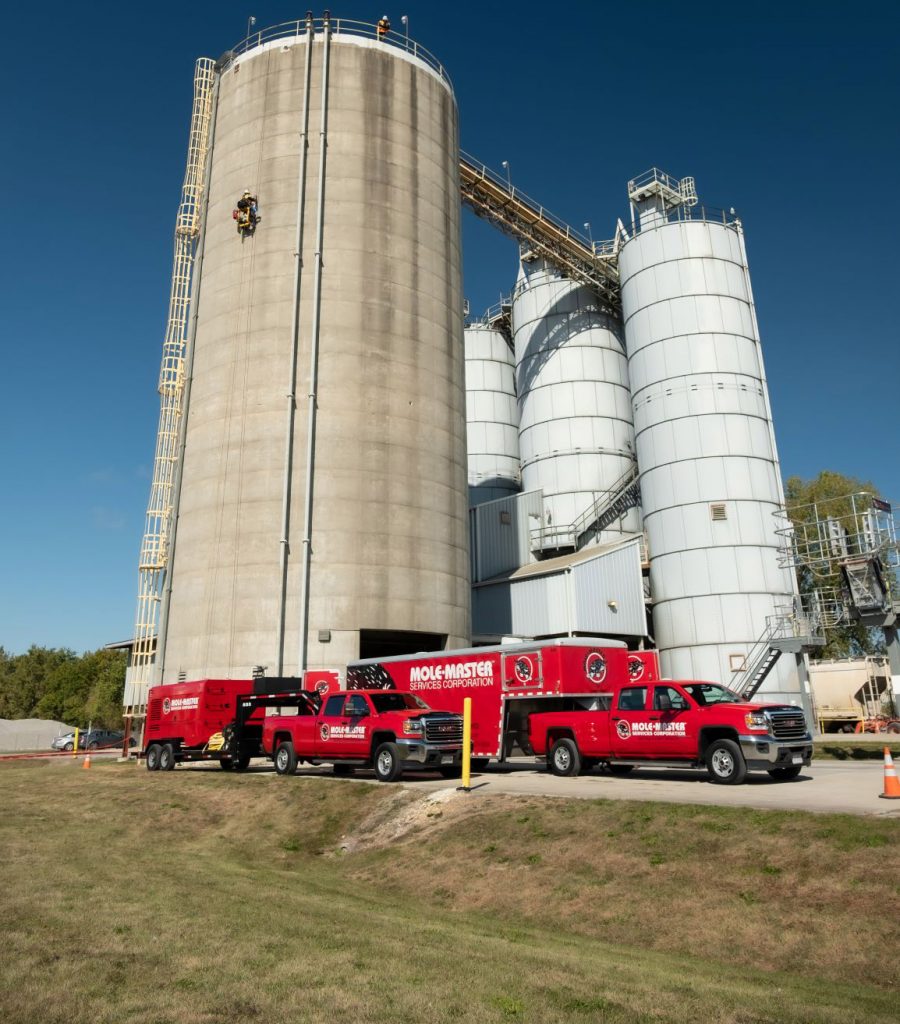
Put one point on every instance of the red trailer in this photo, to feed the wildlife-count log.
(508, 682)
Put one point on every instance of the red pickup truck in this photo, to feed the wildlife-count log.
(674, 724)
(387, 730)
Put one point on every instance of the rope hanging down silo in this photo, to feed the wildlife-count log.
(314, 354)
(156, 544)
(295, 344)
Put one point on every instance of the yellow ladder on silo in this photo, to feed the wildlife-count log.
(154, 556)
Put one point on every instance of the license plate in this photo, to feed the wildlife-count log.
(796, 760)
(446, 759)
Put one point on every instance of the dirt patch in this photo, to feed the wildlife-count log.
(406, 814)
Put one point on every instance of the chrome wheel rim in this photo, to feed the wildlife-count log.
(561, 759)
(282, 759)
(385, 762)
(722, 763)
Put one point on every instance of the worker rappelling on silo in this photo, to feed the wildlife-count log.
(246, 213)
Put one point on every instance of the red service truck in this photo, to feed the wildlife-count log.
(388, 731)
(218, 719)
(228, 720)
(670, 723)
(508, 682)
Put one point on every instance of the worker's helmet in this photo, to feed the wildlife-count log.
(384, 17)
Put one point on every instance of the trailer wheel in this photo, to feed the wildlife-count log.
(166, 758)
(564, 758)
(285, 758)
(388, 766)
(620, 769)
(785, 774)
(153, 757)
(226, 764)
(725, 763)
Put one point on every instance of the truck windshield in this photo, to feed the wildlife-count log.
(710, 693)
(397, 702)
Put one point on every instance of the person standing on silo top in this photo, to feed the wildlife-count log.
(383, 27)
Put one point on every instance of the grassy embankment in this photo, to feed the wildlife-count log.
(199, 897)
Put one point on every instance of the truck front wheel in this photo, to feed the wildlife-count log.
(166, 758)
(564, 758)
(285, 758)
(725, 763)
(153, 757)
(388, 766)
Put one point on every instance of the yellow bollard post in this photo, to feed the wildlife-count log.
(75, 747)
(467, 745)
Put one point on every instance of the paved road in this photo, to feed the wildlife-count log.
(827, 786)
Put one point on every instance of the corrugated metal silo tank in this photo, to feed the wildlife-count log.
(492, 415)
(388, 543)
(705, 443)
(576, 436)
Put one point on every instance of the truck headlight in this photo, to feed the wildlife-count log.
(756, 720)
(413, 728)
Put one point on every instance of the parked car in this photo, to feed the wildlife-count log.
(96, 739)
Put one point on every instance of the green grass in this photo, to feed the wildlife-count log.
(197, 897)
(848, 749)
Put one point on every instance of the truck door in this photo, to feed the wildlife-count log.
(341, 730)
(630, 721)
(357, 721)
(673, 721)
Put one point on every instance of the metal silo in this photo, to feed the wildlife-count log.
(576, 436)
(710, 478)
(492, 415)
(321, 501)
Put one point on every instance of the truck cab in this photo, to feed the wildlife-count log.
(672, 723)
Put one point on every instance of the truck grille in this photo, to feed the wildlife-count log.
(443, 729)
(788, 723)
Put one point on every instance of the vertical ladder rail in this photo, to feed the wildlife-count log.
(154, 554)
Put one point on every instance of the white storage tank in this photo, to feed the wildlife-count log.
(710, 478)
(492, 415)
(576, 437)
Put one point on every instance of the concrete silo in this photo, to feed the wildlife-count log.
(710, 478)
(492, 415)
(576, 436)
(321, 512)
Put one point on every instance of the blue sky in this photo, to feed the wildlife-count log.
(787, 111)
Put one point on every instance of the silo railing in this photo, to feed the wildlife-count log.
(341, 26)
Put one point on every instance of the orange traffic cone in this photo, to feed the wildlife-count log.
(87, 764)
(891, 782)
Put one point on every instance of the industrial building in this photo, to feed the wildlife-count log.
(345, 469)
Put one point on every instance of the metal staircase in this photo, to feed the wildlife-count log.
(493, 197)
(791, 630)
(624, 494)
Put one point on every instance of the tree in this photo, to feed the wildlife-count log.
(57, 684)
(830, 492)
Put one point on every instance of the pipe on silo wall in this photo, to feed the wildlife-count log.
(710, 479)
(303, 637)
(295, 344)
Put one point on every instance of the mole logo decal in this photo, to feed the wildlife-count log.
(524, 669)
(323, 731)
(167, 706)
(595, 667)
(635, 668)
(623, 729)
(322, 686)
